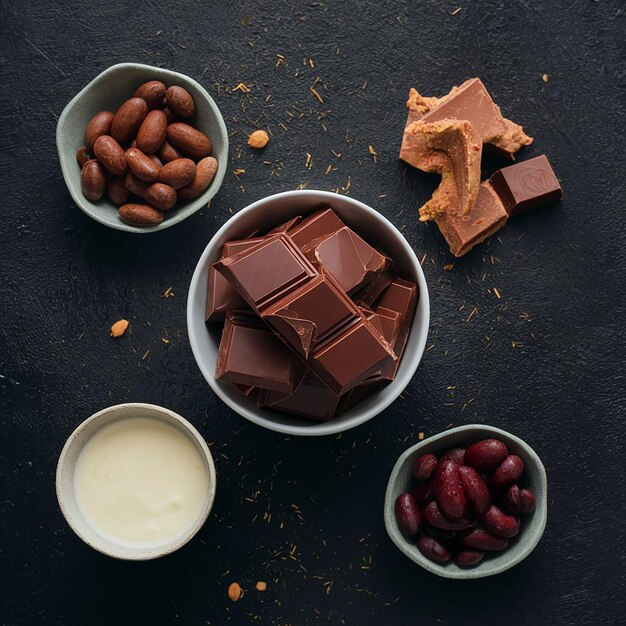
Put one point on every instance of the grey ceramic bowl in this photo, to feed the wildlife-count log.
(106, 93)
(266, 214)
(67, 465)
(533, 525)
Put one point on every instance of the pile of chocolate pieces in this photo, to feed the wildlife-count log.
(315, 318)
(446, 135)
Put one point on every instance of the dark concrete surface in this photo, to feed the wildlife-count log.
(545, 360)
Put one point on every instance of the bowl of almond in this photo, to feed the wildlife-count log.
(142, 148)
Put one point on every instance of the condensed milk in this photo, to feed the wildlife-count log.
(140, 482)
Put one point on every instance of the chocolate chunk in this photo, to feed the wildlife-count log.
(399, 297)
(348, 358)
(453, 148)
(318, 224)
(486, 217)
(349, 259)
(526, 185)
(312, 399)
(268, 272)
(221, 296)
(251, 355)
(310, 313)
(470, 101)
(359, 394)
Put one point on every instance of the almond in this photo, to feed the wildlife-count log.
(100, 124)
(128, 119)
(119, 328)
(152, 92)
(160, 196)
(152, 132)
(178, 173)
(258, 139)
(235, 592)
(140, 215)
(142, 166)
(180, 101)
(111, 155)
(93, 180)
(168, 153)
(205, 173)
(117, 190)
(189, 140)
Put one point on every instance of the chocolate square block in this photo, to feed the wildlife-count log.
(526, 185)
(251, 355)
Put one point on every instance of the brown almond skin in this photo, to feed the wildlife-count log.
(93, 180)
(116, 190)
(168, 153)
(161, 196)
(140, 215)
(100, 124)
(152, 132)
(82, 156)
(111, 155)
(205, 173)
(128, 119)
(180, 101)
(142, 166)
(178, 173)
(188, 140)
(155, 159)
(152, 92)
(134, 185)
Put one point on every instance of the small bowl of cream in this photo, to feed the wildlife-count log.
(135, 481)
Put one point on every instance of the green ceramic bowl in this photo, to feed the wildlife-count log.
(533, 525)
(107, 92)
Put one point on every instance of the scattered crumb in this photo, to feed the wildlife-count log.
(119, 328)
(457, 10)
(261, 586)
(420, 436)
(546, 78)
(448, 267)
(495, 290)
(258, 139)
(168, 293)
(235, 592)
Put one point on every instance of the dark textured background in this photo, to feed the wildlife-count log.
(544, 361)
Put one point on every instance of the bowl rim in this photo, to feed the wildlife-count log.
(538, 523)
(126, 409)
(404, 375)
(180, 214)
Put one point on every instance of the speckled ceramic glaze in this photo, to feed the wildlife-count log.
(533, 525)
(107, 92)
(270, 212)
(67, 464)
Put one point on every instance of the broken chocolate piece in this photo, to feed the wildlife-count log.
(319, 224)
(526, 185)
(348, 358)
(486, 217)
(452, 148)
(470, 101)
(401, 297)
(251, 355)
(350, 260)
(310, 313)
(268, 272)
(221, 296)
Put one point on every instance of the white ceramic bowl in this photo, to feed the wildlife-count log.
(107, 92)
(266, 214)
(67, 465)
